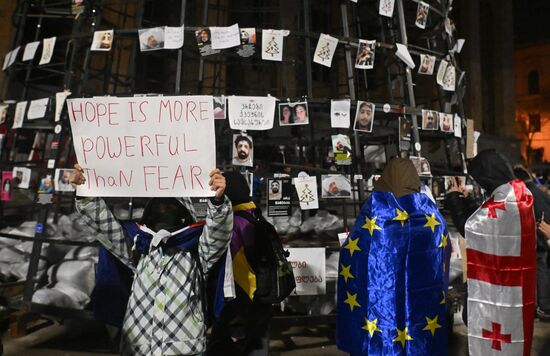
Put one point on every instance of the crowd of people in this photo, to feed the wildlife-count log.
(393, 268)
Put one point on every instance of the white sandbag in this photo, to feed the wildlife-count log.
(77, 274)
(61, 296)
(82, 253)
(11, 255)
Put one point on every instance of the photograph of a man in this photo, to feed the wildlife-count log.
(430, 120)
(275, 192)
(242, 150)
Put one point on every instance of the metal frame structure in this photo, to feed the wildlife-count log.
(117, 75)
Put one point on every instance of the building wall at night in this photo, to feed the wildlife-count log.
(532, 67)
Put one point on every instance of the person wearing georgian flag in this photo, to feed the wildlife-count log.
(501, 256)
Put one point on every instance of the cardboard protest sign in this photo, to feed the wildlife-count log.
(251, 112)
(147, 146)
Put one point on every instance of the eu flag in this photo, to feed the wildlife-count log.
(393, 277)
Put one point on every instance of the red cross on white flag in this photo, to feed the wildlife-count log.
(500, 239)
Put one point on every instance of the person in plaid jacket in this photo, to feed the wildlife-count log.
(164, 315)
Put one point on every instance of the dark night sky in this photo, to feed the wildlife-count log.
(531, 21)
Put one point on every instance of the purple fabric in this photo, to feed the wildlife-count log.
(243, 235)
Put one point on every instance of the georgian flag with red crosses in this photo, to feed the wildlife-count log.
(501, 255)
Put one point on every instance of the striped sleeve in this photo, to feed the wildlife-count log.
(216, 234)
(97, 215)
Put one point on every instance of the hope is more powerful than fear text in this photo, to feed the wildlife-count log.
(172, 110)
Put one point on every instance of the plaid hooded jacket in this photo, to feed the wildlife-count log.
(164, 315)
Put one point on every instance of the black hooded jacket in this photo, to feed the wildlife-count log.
(490, 170)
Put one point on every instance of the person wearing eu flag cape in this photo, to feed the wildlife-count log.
(393, 271)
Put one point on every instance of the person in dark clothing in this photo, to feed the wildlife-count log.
(242, 328)
(542, 213)
(490, 170)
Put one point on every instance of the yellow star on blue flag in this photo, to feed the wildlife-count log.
(402, 216)
(402, 336)
(432, 325)
(370, 224)
(443, 243)
(431, 222)
(346, 272)
(371, 326)
(352, 245)
(352, 301)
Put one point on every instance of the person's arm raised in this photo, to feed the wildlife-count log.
(97, 215)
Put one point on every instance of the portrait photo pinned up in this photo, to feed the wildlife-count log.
(243, 150)
(204, 42)
(449, 78)
(21, 177)
(293, 114)
(102, 41)
(341, 146)
(335, 186)
(61, 180)
(405, 128)
(364, 116)
(422, 166)
(430, 120)
(151, 39)
(5, 193)
(422, 14)
(365, 54)
(219, 107)
(438, 188)
(46, 185)
(446, 122)
(427, 64)
(248, 42)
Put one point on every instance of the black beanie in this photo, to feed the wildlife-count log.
(236, 188)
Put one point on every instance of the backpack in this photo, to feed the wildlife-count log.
(274, 277)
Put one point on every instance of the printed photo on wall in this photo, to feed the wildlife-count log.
(365, 54)
(279, 196)
(386, 7)
(61, 180)
(21, 177)
(438, 188)
(449, 79)
(364, 116)
(151, 39)
(248, 42)
(422, 14)
(306, 189)
(427, 64)
(326, 46)
(5, 193)
(430, 120)
(243, 150)
(46, 185)
(293, 114)
(422, 166)
(446, 123)
(204, 42)
(219, 107)
(102, 41)
(339, 113)
(341, 146)
(335, 186)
